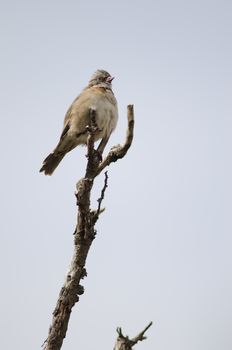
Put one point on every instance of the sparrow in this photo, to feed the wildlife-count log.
(98, 95)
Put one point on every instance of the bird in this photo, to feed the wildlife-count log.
(97, 95)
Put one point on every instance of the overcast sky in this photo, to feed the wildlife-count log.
(163, 249)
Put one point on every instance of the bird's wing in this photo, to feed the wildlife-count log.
(69, 112)
(65, 130)
(67, 119)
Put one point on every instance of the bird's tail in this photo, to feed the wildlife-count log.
(51, 162)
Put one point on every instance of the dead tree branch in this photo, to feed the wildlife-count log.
(124, 343)
(85, 231)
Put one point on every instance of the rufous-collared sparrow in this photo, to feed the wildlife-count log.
(98, 95)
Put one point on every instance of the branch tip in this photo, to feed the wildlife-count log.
(130, 112)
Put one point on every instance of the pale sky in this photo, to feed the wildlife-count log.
(163, 249)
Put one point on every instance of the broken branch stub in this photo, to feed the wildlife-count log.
(125, 343)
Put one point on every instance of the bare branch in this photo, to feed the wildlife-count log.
(141, 336)
(102, 194)
(124, 343)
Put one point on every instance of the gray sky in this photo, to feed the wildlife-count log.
(163, 250)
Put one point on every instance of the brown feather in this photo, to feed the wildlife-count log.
(51, 162)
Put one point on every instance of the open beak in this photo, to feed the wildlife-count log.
(109, 79)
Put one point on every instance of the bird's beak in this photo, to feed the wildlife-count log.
(109, 79)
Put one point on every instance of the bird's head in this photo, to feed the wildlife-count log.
(101, 78)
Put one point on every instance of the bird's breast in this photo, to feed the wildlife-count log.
(105, 104)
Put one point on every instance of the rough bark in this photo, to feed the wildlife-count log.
(85, 231)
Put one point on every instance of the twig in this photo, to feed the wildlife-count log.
(102, 194)
(141, 336)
